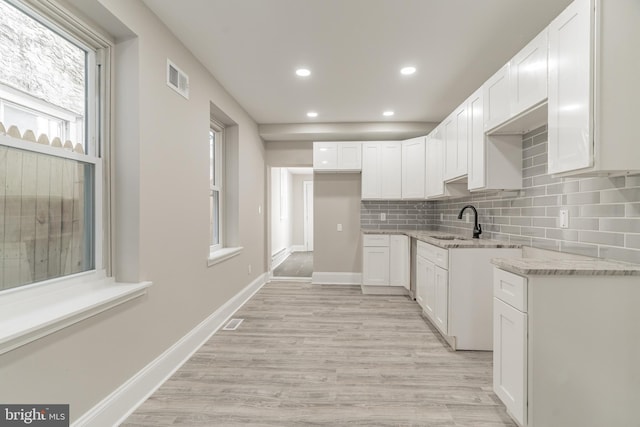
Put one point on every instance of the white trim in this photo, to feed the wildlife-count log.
(384, 290)
(32, 312)
(223, 254)
(116, 407)
(298, 248)
(338, 278)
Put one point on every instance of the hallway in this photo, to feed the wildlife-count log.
(298, 264)
(327, 355)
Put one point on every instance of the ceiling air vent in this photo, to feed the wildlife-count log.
(177, 79)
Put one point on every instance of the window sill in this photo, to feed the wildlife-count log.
(223, 255)
(34, 311)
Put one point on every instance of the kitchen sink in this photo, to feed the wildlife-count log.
(450, 238)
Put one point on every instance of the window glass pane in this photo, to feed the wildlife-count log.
(42, 79)
(46, 217)
(212, 157)
(215, 217)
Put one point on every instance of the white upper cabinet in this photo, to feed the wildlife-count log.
(594, 64)
(413, 168)
(497, 105)
(337, 156)
(570, 125)
(434, 184)
(381, 170)
(476, 153)
(528, 75)
(456, 140)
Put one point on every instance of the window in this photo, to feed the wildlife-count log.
(216, 185)
(50, 190)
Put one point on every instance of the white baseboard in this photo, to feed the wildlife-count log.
(298, 248)
(116, 407)
(384, 290)
(330, 278)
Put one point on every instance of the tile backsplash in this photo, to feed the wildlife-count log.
(604, 213)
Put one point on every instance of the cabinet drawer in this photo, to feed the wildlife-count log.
(375, 240)
(436, 255)
(510, 288)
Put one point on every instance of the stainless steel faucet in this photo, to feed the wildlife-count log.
(477, 229)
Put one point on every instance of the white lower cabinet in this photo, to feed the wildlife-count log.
(385, 260)
(454, 289)
(510, 358)
(565, 347)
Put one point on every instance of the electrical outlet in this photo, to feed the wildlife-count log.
(441, 216)
(383, 216)
(467, 217)
(564, 218)
(249, 269)
(339, 227)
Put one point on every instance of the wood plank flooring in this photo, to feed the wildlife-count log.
(327, 355)
(297, 264)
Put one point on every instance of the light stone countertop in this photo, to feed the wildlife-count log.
(567, 267)
(459, 242)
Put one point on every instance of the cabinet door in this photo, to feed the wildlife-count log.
(371, 173)
(413, 162)
(350, 156)
(391, 171)
(528, 75)
(430, 290)
(477, 152)
(325, 156)
(399, 258)
(496, 98)
(375, 268)
(421, 280)
(455, 146)
(510, 358)
(434, 186)
(449, 139)
(570, 123)
(442, 299)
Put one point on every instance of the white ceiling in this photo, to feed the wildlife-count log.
(355, 49)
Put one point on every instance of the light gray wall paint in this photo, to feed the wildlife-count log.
(604, 212)
(337, 201)
(165, 210)
(290, 153)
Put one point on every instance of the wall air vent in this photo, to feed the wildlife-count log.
(177, 79)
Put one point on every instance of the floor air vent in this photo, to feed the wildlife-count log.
(232, 325)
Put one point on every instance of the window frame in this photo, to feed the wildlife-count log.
(217, 184)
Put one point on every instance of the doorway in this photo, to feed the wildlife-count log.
(291, 213)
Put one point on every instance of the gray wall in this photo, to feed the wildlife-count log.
(337, 201)
(164, 209)
(604, 212)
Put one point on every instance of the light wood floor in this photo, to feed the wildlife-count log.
(327, 355)
(298, 264)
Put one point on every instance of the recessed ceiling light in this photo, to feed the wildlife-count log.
(388, 113)
(312, 114)
(408, 70)
(303, 72)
